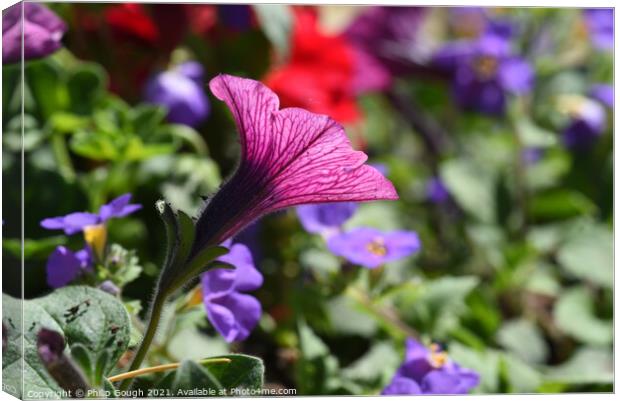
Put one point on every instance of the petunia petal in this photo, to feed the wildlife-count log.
(289, 157)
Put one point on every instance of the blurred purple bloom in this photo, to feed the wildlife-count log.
(436, 191)
(603, 93)
(235, 16)
(600, 24)
(42, 29)
(325, 218)
(472, 22)
(484, 71)
(289, 157)
(430, 371)
(64, 265)
(233, 314)
(371, 248)
(532, 155)
(76, 222)
(587, 124)
(180, 92)
(384, 38)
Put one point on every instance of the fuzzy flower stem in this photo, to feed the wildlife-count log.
(157, 307)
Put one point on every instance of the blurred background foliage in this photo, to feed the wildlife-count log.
(515, 275)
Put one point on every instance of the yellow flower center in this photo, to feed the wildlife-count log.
(438, 358)
(96, 236)
(485, 67)
(377, 247)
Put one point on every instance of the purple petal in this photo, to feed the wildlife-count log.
(600, 23)
(118, 207)
(181, 95)
(217, 282)
(402, 386)
(247, 277)
(43, 31)
(62, 267)
(192, 70)
(603, 93)
(450, 381)
(234, 316)
(371, 248)
(516, 75)
(436, 191)
(324, 217)
(415, 350)
(71, 223)
(451, 55)
(289, 157)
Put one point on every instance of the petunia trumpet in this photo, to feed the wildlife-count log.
(289, 157)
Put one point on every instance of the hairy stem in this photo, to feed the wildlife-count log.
(151, 328)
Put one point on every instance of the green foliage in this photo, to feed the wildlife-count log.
(95, 326)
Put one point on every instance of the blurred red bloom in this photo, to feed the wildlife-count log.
(320, 72)
(131, 20)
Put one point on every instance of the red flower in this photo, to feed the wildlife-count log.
(131, 20)
(319, 74)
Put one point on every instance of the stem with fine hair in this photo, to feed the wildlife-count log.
(157, 307)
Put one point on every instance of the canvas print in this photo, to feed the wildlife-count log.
(306, 200)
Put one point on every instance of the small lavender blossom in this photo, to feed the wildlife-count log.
(78, 221)
(233, 313)
(64, 266)
(430, 371)
(42, 32)
(532, 155)
(325, 218)
(603, 93)
(588, 121)
(180, 92)
(371, 248)
(436, 191)
(485, 71)
(600, 25)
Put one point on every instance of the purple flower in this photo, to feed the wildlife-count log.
(325, 218)
(235, 16)
(78, 221)
(180, 92)
(600, 24)
(289, 157)
(384, 39)
(233, 314)
(64, 266)
(42, 32)
(588, 120)
(532, 155)
(436, 191)
(430, 371)
(372, 248)
(484, 71)
(603, 93)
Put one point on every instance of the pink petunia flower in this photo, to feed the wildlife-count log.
(289, 157)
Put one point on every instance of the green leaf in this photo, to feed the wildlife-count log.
(485, 363)
(243, 372)
(574, 314)
(472, 186)
(524, 339)
(191, 377)
(560, 204)
(85, 86)
(276, 20)
(588, 254)
(521, 377)
(92, 321)
(534, 136)
(586, 366)
(376, 366)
